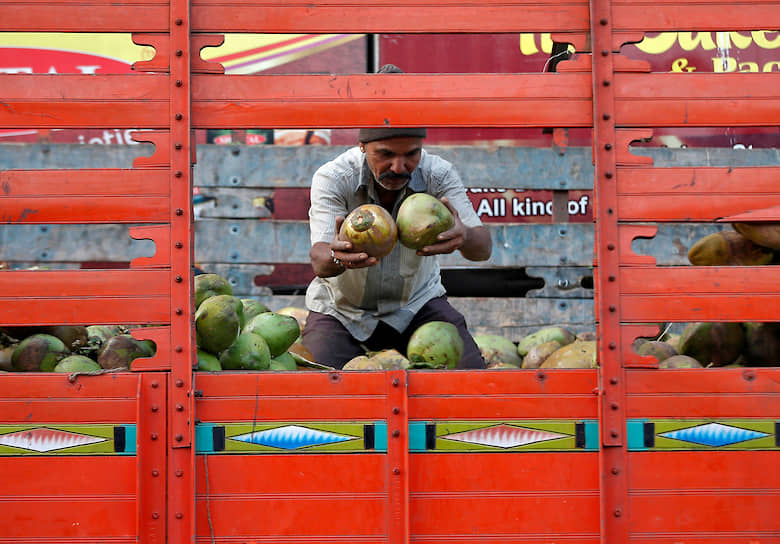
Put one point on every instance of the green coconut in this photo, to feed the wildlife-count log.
(421, 218)
(121, 350)
(279, 331)
(679, 361)
(218, 322)
(537, 354)
(39, 352)
(498, 349)
(561, 335)
(728, 248)
(285, 361)
(209, 285)
(252, 307)
(436, 344)
(762, 344)
(208, 362)
(715, 344)
(73, 336)
(574, 355)
(249, 352)
(390, 359)
(77, 363)
(362, 362)
(656, 348)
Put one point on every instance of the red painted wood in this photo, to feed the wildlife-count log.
(694, 194)
(75, 475)
(84, 196)
(59, 517)
(388, 16)
(90, 15)
(373, 100)
(726, 15)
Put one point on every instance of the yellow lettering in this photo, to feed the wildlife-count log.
(748, 67)
(724, 64)
(691, 40)
(655, 45)
(743, 42)
(681, 65)
(547, 43)
(528, 44)
(771, 65)
(761, 39)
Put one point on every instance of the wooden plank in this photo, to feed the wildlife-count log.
(463, 100)
(382, 16)
(84, 101)
(672, 15)
(84, 16)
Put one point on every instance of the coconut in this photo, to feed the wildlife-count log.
(39, 352)
(656, 348)
(6, 354)
(574, 355)
(561, 335)
(300, 314)
(218, 321)
(285, 361)
(73, 336)
(362, 362)
(390, 359)
(249, 352)
(727, 248)
(713, 343)
(501, 366)
(370, 229)
(251, 307)
(679, 361)
(764, 234)
(279, 331)
(537, 354)
(762, 343)
(121, 350)
(421, 218)
(209, 285)
(436, 344)
(77, 363)
(208, 362)
(498, 349)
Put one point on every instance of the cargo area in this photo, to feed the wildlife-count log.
(624, 156)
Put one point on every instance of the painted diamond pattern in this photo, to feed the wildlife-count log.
(43, 439)
(292, 437)
(714, 434)
(504, 436)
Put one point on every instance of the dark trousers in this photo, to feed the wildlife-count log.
(332, 345)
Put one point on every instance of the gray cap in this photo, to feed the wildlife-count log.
(373, 134)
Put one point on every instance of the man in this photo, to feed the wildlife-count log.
(358, 303)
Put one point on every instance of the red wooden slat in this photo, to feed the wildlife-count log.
(521, 406)
(694, 194)
(98, 410)
(76, 475)
(295, 407)
(84, 16)
(410, 100)
(377, 16)
(117, 386)
(81, 101)
(736, 381)
(689, 99)
(507, 382)
(726, 15)
(88, 517)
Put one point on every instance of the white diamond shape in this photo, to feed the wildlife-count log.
(714, 434)
(504, 436)
(43, 439)
(291, 437)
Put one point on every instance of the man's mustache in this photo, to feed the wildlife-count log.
(393, 175)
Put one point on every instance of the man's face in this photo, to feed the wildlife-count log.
(392, 161)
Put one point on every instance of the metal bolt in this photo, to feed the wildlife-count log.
(177, 145)
(611, 247)
(610, 211)
(179, 83)
(155, 515)
(604, 52)
(613, 433)
(611, 278)
(155, 473)
(395, 382)
(178, 279)
(179, 311)
(603, 22)
(179, 245)
(155, 408)
(608, 175)
(179, 407)
(615, 471)
(396, 433)
(613, 381)
(179, 515)
(606, 117)
(607, 146)
(605, 83)
(179, 116)
(153, 436)
(612, 345)
(396, 471)
(618, 512)
(396, 411)
(155, 385)
(179, 52)
(179, 473)
(612, 308)
(178, 349)
(614, 406)
(179, 438)
(178, 173)
(179, 211)
(179, 383)
(178, 22)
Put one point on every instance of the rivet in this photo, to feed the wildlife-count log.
(179, 438)
(604, 52)
(611, 278)
(179, 245)
(179, 211)
(611, 247)
(155, 473)
(179, 52)
(396, 471)
(396, 433)
(612, 308)
(395, 382)
(153, 436)
(177, 145)
(613, 433)
(155, 515)
(618, 512)
(178, 349)
(179, 407)
(605, 83)
(603, 22)
(607, 146)
(608, 175)
(612, 345)
(178, 22)
(610, 211)
(155, 408)
(614, 406)
(615, 471)
(179, 83)
(179, 311)
(179, 116)
(155, 385)
(613, 381)
(606, 117)
(396, 410)
(178, 173)
(179, 473)
(178, 279)
(179, 383)
(179, 515)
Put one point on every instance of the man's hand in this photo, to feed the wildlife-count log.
(473, 243)
(332, 259)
